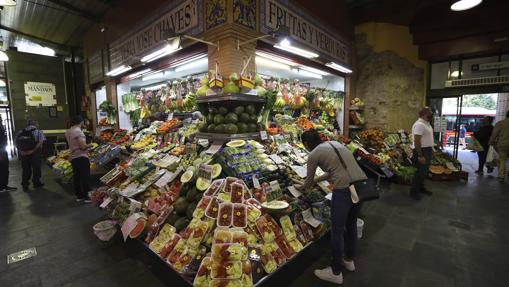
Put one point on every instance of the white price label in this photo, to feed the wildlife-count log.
(129, 224)
(294, 191)
(310, 219)
(214, 148)
(170, 116)
(106, 202)
(263, 135)
(277, 159)
(256, 182)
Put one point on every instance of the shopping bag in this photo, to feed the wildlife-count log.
(492, 157)
(475, 145)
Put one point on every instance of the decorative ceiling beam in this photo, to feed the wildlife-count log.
(83, 13)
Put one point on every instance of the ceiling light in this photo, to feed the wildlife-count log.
(153, 76)
(188, 60)
(463, 5)
(271, 64)
(139, 73)
(7, 2)
(155, 87)
(307, 74)
(3, 57)
(338, 67)
(192, 65)
(33, 48)
(286, 45)
(275, 58)
(119, 70)
(2, 83)
(169, 48)
(313, 70)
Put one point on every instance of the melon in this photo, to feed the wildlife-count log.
(139, 228)
(216, 170)
(202, 184)
(187, 176)
(236, 143)
(275, 205)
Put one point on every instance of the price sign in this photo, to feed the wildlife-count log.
(263, 135)
(129, 224)
(205, 172)
(203, 142)
(273, 194)
(277, 159)
(106, 202)
(294, 191)
(256, 182)
(170, 116)
(310, 219)
(214, 148)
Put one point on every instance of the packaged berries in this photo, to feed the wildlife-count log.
(273, 225)
(168, 247)
(226, 270)
(262, 225)
(214, 187)
(225, 216)
(237, 193)
(213, 208)
(239, 215)
(247, 277)
(199, 212)
(203, 275)
(222, 235)
(283, 245)
(227, 252)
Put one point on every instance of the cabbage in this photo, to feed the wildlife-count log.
(204, 81)
(258, 80)
(260, 91)
(202, 91)
(234, 77)
(231, 88)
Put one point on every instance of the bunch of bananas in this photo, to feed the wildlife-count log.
(145, 141)
(327, 105)
(189, 103)
(280, 102)
(298, 102)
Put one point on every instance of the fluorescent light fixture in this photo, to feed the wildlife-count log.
(307, 74)
(187, 61)
(275, 58)
(313, 70)
(3, 57)
(338, 67)
(153, 76)
(286, 45)
(139, 73)
(155, 87)
(166, 50)
(7, 2)
(191, 64)
(271, 64)
(119, 70)
(455, 74)
(33, 48)
(463, 5)
(2, 83)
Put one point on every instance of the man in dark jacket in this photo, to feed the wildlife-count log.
(4, 160)
(483, 137)
(29, 142)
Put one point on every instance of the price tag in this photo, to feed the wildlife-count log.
(106, 202)
(135, 206)
(301, 171)
(203, 142)
(275, 185)
(165, 179)
(263, 135)
(329, 196)
(129, 224)
(276, 159)
(214, 148)
(256, 182)
(170, 116)
(205, 172)
(310, 219)
(294, 191)
(319, 172)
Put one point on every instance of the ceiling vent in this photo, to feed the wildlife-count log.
(496, 80)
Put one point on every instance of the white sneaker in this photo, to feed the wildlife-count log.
(349, 265)
(326, 274)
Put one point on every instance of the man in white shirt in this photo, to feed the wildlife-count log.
(422, 143)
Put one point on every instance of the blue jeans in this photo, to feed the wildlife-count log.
(422, 170)
(344, 215)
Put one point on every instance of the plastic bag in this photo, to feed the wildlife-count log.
(492, 157)
(475, 145)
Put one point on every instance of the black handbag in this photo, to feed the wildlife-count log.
(366, 189)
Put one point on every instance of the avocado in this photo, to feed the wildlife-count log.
(191, 194)
(181, 223)
(219, 129)
(231, 118)
(190, 209)
(238, 110)
(181, 205)
(219, 119)
(231, 129)
(211, 128)
(242, 128)
(172, 218)
(245, 118)
(252, 127)
(250, 109)
(223, 110)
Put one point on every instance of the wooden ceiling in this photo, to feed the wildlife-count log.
(439, 32)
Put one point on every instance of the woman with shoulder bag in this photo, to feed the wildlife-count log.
(341, 172)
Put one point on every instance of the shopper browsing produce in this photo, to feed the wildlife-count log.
(343, 211)
(500, 140)
(79, 159)
(29, 142)
(483, 136)
(422, 145)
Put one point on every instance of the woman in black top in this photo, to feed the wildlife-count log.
(483, 136)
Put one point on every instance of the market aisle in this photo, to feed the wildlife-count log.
(458, 237)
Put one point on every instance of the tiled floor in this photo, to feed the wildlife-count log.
(457, 237)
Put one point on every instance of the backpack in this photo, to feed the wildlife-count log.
(25, 140)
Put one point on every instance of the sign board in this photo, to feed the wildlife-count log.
(303, 28)
(440, 124)
(40, 94)
(183, 18)
(490, 66)
(95, 67)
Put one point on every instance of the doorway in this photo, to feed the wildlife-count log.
(464, 115)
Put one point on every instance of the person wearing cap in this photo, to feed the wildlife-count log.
(29, 142)
(79, 159)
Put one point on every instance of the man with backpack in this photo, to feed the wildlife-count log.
(29, 142)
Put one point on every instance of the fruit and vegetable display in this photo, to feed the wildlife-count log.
(111, 111)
